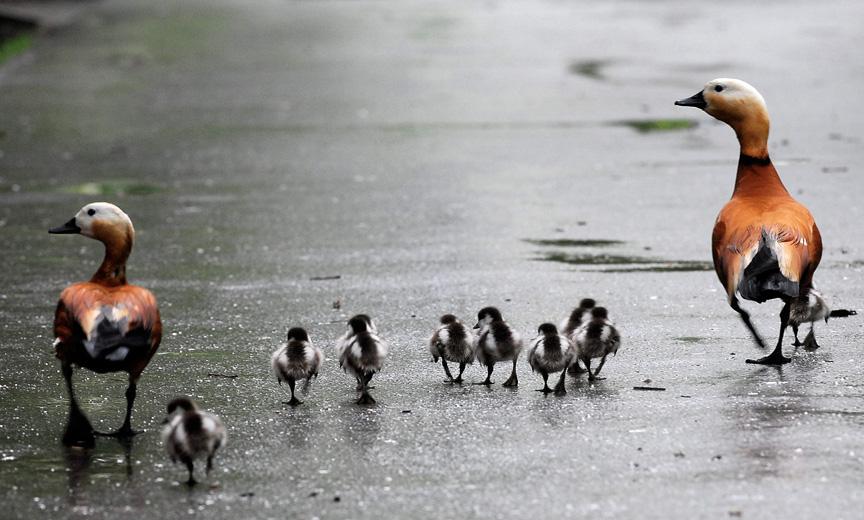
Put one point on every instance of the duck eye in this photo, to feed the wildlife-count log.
(91, 212)
(718, 88)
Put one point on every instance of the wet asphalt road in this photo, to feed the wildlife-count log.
(437, 158)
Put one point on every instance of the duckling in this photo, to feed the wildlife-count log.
(495, 342)
(297, 359)
(105, 324)
(596, 339)
(810, 310)
(345, 339)
(550, 352)
(191, 434)
(362, 354)
(453, 341)
(572, 323)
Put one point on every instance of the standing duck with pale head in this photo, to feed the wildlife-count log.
(765, 243)
(105, 324)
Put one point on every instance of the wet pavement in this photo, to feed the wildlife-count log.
(436, 158)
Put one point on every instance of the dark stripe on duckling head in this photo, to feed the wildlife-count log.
(183, 403)
(457, 332)
(448, 319)
(599, 312)
(548, 328)
(359, 323)
(298, 333)
(491, 312)
(595, 329)
(587, 303)
(369, 355)
(192, 423)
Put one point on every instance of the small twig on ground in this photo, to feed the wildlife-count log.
(226, 376)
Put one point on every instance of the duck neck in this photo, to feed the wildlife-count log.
(757, 177)
(112, 272)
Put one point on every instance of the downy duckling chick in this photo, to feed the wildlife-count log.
(810, 310)
(297, 359)
(191, 434)
(596, 339)
(362, 355)
(550, 352)
(345, 339)
(495, 342)
(453, 341)
(577, 317)
(104, 324)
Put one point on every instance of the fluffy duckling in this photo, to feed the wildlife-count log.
(453, 341)
(495, 342)
(362, 354)
(550, 352)
(191, 434)
(297, 359)
(577, 317)
(596, 338)
(345, 339)
(105, 324)
(811, 310)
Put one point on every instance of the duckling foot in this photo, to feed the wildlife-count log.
(487, 382)
(559, 388)
(512, 381)
(546, 390)
(366, 399)
(810, 341)
(458, 380)
(576, 370)
(293, 402)
(775, 358)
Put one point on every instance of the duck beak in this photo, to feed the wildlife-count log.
(696, 100)
(69, 228)
(477, 326)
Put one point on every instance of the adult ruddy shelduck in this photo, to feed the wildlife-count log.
(766, 244)
(106, 324)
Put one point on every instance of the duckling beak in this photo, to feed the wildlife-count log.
(68, 228)
(477, 326)
(696, 100)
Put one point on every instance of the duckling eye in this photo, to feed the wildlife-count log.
(91, 212)
(718, 88)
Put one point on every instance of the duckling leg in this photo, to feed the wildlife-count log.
(458, 379)
(210, 463)
(368, 380)
(545, 389)
(776, 357)
(600, 367)
(796, 343)
(513, 380)
(575, 370)
(365, 398)
(559, 388)
(189, 466)
(745, 317)
(447, 371)
(587, 362)
(79, 431)
(810, 340)
(489, 368)
(294, 401)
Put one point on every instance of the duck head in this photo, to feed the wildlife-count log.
(740, 106)
(587, 303)
(599, 313)
(181, 403)
(99, 220)
(548, 329)
(360, 323)
(298, 334)
(486, 316)
(447, 319)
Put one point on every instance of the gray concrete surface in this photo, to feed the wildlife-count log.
(413, 149)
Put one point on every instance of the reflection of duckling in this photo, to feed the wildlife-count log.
(297, 359)
(813, 309)
(452, 342)
(362, 354)
(596, 339)
(495, 342)
(550, 352)
(105, 324)
(577, 317)
(191, 434)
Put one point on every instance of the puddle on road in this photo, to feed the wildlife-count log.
(589, 68)
(623, 263)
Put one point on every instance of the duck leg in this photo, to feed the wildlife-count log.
(489, 368)
(545, 389)
(513, 380)
(810, 340)
(365, 398)
(458, 379)
(294, 401)
(125, 429)
(79, 431)
(447, 370)
(559, 388)
(776, 357)
(745, 317)
(600, 367)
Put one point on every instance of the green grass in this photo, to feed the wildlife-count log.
(15, 46)
(644, 126)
